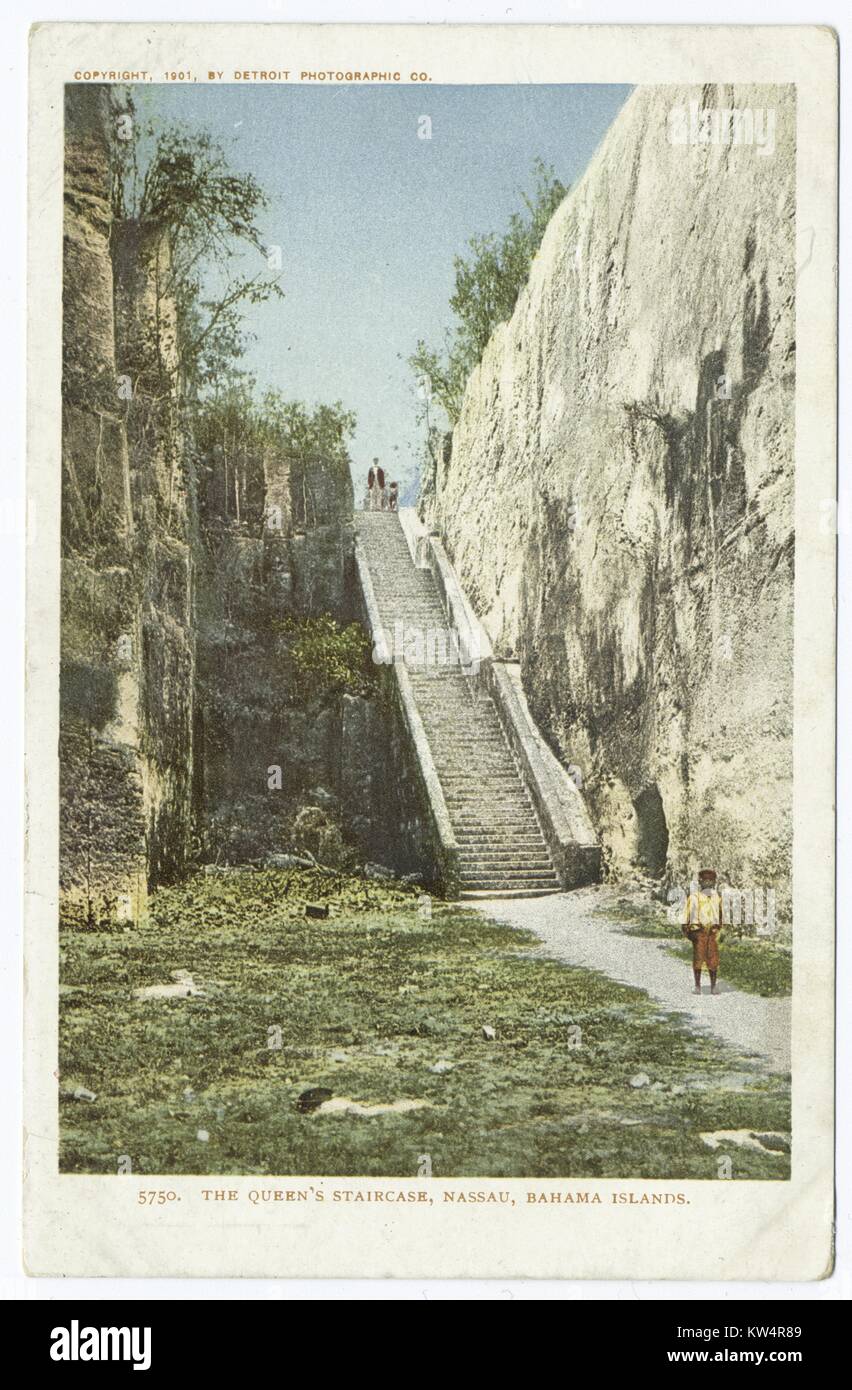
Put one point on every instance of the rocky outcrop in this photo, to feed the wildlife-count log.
(284, 746)
(267, 749)
(618, 499)
(192, 568)
(162, 486)
(128, 642)
(103, 822)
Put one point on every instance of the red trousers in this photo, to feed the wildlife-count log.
(705, 948)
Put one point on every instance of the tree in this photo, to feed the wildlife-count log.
(234, 431)
(487, 285)
(178, 183)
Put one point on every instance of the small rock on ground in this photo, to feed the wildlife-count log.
(573, 929)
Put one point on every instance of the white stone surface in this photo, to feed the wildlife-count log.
(621, 520)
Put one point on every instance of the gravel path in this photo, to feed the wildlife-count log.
(572, 932)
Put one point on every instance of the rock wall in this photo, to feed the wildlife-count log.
(281, 769)
(127, 659)
(163, 507)
(102, 826)
(618, 498)
(287, 557)
(179, 575)
(383, 814)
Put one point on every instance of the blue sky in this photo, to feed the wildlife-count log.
(369, 217)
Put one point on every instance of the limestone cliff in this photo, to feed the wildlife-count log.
(192, 569)
(155, 739)
(285, 559)
(618, 498)
(293, 757)
(103, 820)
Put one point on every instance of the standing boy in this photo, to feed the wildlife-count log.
(701, 923)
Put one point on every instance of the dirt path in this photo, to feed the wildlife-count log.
(573, 929)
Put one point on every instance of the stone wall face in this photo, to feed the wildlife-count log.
(288, 557)
(291, 558)
(127, 661)
(102, 846)
(164, 531)
(171, 693)
(618, 499)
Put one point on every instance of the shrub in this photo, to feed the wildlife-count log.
(314, 830)
(326, 658)
(487, 286)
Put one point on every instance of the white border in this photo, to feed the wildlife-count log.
(17, 1285)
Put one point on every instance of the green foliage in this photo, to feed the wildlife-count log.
(367, 1002)
(249, 830)
(294, 429)
(326, 658)
(487, 285)
(240, 831)
(234, 431)
(178, 182)
(443, 377)
(318, 833)
(188, 189)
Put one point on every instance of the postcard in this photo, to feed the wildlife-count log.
(431, 648)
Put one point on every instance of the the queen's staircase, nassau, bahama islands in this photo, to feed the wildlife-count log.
(504, 816)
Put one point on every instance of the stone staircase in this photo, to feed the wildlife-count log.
(502, 851)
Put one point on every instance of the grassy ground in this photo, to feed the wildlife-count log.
(747, 963)
(368, 1003)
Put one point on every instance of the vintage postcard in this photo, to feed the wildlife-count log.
(431, 584)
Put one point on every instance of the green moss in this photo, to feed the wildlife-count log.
(327, 658)
(87, 693)
(367, 1002)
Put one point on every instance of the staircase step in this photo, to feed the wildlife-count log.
(466, 817)
(490, 765)
(502, 852)
(484, 895)
(495, 840)
(468, 798)
(489, 808)
(472, 767)
(498, 777)
(485, 875)
(480, 823)
(479, 734)
(480, 827)
(530, 857)
(500, 886)
(473, 792)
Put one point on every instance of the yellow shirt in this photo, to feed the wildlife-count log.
(703, 909)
